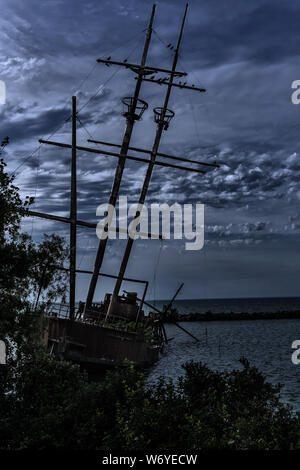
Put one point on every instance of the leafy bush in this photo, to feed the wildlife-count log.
(47, 403)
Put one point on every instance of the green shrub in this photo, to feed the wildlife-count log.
(47, 403)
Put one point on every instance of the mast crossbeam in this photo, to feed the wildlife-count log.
(159, 154)
(178, 85)
(120, 155)
(83, 223)
(142, 69)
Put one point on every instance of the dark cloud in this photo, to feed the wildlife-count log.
(244, 53)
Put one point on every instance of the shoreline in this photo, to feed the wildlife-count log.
(231, 316)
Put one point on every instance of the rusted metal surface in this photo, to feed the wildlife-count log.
(87, 343)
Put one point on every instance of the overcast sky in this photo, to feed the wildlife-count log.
(246, 54)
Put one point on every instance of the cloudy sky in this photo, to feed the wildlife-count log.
(246, 54)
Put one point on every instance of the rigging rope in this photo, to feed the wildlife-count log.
(14, 172)
(155, 272)
(36, 187)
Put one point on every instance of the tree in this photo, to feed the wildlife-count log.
(28, 271)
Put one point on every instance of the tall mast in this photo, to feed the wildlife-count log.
(73, 213)
(162, 124)
(130, 119)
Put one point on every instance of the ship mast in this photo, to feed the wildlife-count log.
(163, 116)
(73, 213)
(131, 117)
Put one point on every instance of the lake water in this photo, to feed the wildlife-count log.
(265, 343)
(233, 305)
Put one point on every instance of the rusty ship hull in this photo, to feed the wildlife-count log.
(95, 347)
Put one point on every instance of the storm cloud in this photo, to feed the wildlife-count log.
(246, 55)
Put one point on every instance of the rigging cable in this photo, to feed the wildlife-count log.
(197, 134)
(155, 272)
(36, 186)
(105, 82)
(14, 172)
